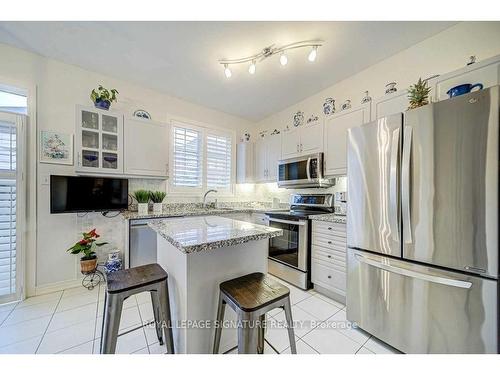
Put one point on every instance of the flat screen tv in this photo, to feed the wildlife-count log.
(84, 194)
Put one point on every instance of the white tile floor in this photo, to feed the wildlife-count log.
(70, 322)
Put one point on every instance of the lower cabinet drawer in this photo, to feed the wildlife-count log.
(335, 259)
(328, 277)
(330, 242)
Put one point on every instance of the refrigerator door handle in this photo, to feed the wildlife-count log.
(417, 275)
(405, 184)
(393, 186)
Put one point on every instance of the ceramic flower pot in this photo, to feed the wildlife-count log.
(142, 208)
(102, 104)
(157, 208)
(88, 265)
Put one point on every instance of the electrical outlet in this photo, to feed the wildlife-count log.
(45, 180)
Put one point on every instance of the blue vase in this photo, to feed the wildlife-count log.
(102, 104)
(114, 263)
(463, 89)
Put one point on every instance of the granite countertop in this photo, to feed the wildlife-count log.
(195, 234)
(331, 218)
(173, 211)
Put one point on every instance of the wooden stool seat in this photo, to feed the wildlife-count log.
(251, 297)
(132, 278)
(254, 291)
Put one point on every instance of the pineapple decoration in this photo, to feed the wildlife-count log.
(418, 94)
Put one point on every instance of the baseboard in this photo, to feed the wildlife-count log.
(335, 296)
(56, 287)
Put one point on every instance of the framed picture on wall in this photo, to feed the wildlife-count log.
(56, 147)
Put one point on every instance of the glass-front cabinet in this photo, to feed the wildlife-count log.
(99, 141)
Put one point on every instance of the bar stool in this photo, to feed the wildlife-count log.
(251, 297)
(125, 283)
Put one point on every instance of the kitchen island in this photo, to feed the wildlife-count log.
(199, 253)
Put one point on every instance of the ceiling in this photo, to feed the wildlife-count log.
(180, 58)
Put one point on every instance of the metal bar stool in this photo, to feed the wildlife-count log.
(125, 283)
(251, 297)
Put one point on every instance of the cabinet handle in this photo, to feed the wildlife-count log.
(329, 277)
(301, 148)
(329, 228)
(297, 147)
(330, 242)
(329, 256)
(79, 160)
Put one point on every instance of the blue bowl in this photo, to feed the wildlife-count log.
(463, 89)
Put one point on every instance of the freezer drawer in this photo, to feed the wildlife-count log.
(419, 309)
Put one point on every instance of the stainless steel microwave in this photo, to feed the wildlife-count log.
(303, 172)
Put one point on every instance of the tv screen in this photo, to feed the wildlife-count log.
(83, 194)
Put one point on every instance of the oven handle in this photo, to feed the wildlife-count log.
(308, 169)
(300, 222)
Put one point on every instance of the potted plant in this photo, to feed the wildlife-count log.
(103, 97)
(418, 94)
(142, 198)
(157, 197)
(87, 246)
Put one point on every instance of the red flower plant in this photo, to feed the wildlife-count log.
(87, 245)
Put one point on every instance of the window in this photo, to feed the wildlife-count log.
(187, 158)
(202, 159)
(12, 102)
(8, 206)
(218, 162)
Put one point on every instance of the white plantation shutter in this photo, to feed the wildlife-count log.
(8, 182)
(187, 163)
(219, 157)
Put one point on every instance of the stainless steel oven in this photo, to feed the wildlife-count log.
(291, 248)
(301, 172)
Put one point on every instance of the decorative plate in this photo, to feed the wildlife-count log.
(142, 114)
(298, 119)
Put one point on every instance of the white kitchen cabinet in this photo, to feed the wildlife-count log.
(291, 142)
(146, 148)
(390, 104)
(99, 141)
(328, 258)
(486, 72)
(336, 127)
(302, 140)
(267, 155)
(245, 162)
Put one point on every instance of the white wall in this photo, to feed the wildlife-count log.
(59, 88)
(442, 53)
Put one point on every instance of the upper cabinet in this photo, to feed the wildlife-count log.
(146, 148)
(485, 72)
(390, 104)
(301, 140)
(245, 162)
(267, 155)
(107, 144)
(99, 141)
(336, 125)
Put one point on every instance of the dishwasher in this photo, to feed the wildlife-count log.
(142, 242)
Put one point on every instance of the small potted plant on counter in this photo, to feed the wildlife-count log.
(102, 97)
(142, 198)
(87, 246)
(157, 197)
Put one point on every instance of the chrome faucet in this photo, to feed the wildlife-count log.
(205, 197)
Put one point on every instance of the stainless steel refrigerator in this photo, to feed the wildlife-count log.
(422, 226)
